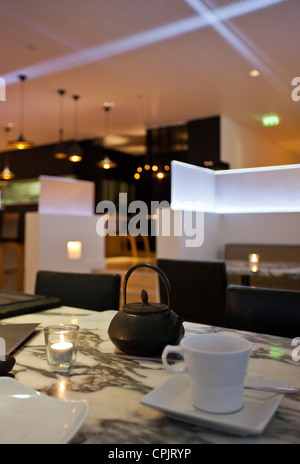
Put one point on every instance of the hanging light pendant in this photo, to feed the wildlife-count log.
(107, 163)
(60, 152)
(75, 152)
(7, 174)
(21, 143)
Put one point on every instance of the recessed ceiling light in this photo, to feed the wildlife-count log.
(254, 73)
(107, 105)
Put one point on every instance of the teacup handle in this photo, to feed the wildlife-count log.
(172, 349)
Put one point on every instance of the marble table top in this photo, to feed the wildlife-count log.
(113, 383)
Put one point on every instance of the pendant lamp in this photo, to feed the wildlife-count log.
(107, 163)
(6, 174)
(75, 151)
(60, 152)
(21, 143)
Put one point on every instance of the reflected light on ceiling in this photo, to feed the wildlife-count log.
(204, 18)
(230, 33)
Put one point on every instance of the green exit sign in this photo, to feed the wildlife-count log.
(270, 120)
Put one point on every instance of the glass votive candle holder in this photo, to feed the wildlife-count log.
(254, 267)
(61, 345)
(253, 258)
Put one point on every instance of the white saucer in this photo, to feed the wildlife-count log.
(28, 417)
(173, 399)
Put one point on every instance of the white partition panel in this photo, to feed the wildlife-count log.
(47, 236)
(66, 196)
(255, 205)
(260, 228)
(266, 189)
(254, 190)
(192, 184)
(62, 236)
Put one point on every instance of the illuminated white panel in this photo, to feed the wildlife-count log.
(192, 184)
(66, 196)
(253, 190)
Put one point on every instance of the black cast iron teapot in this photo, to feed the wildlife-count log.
(144, 329)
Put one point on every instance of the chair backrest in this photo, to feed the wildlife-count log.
(263, 310)
(12, 226)
(98, 292)
(197, 289)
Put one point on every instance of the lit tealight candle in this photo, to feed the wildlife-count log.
(254, 267)
(253, 258)
(62, 351)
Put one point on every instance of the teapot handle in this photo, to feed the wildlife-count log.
(161, 274)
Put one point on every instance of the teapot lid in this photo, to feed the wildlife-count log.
(144, 307)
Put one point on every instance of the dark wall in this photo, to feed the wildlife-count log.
(204, 141)
(33, 162)
(37, 161)
(195, 142)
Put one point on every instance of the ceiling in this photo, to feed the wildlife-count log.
(162, 62)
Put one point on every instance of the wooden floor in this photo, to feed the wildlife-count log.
(141, 278)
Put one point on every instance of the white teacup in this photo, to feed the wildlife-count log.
(216, 365)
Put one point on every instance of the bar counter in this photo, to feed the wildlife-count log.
(113, 383)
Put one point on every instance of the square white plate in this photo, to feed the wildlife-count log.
(172, 398)
(28, 417)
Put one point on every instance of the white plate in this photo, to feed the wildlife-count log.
(28, 417)
(173, 399)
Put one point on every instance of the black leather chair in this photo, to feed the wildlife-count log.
(98, 292)
(197, 289)
(12, 247)
(263, 310)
